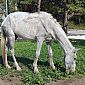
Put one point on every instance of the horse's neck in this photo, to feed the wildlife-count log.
(64, 41)
(55, 29)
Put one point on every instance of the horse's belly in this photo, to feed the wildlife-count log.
(26, 33)
(30, 31)
(25, 36)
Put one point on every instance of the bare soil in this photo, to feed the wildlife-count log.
(74, 81)
(12, 80)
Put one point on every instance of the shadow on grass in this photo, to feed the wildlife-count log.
(1, 60)
(28, 62)
(60, 67)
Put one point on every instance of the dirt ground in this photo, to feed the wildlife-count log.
(12, 80)
(73, 81)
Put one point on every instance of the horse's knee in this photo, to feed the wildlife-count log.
(50, 54)
(37, 54)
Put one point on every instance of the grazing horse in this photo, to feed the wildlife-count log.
(40, 26)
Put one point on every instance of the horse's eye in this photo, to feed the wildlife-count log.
(74, 58)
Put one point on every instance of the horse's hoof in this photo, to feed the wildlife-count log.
(53, 68)
(18, 69)
(36, 71)
(7, 66)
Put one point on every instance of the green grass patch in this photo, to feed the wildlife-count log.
(25, 54)
(71, 25)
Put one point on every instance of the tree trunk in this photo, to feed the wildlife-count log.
(39, 3)
(15, 7)
(65, 20)
(7, 7)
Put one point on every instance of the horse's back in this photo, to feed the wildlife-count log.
(25, 24)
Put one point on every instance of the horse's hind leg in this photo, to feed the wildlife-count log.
(50, 54)
(4, 50)
(39, 45)
(11, 47)
(5, 58)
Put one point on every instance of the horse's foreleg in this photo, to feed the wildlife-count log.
(11, 42)
(39, 45)
(50, 55)
(15, 61)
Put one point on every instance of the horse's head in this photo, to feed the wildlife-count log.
(70, 60)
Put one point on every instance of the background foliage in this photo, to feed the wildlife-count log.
(76, 9)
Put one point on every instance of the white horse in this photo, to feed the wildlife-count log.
(40, 26)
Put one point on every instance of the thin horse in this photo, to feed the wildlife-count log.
(41, 26)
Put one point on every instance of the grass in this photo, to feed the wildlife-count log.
(71, 25)
(25, 54)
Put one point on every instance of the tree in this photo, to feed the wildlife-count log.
(15, 5)
(39, 3)
(7, 7)
(65, 20)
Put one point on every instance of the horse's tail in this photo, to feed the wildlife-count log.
(3, 44)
